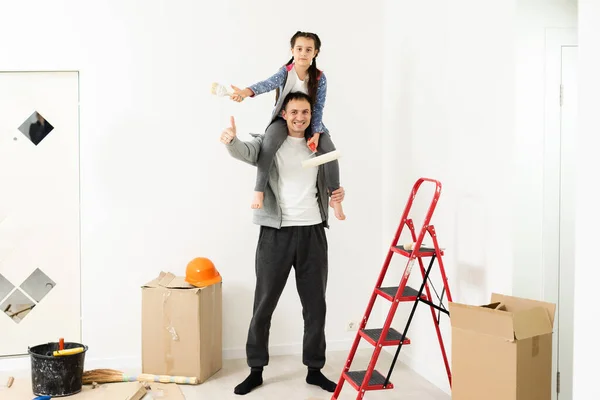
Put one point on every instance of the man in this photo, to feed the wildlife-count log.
(292, 233)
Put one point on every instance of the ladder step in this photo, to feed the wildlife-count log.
(409, 293)
(423, 251)
(393, 337)
(375, 383)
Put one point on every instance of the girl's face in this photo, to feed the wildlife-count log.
(304, 51)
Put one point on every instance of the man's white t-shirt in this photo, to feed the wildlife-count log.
(297, 185)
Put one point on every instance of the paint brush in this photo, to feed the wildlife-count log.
(219, 90)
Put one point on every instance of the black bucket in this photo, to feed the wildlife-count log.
(56, 376)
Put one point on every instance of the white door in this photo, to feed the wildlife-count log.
(559, 201)
(568, 128)
(39, 209)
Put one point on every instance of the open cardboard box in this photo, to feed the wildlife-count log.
(502, 350)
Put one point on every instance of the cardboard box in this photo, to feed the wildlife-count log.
(181, 328)
(503, 350)
(107, 391)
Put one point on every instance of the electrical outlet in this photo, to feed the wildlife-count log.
(352, 326)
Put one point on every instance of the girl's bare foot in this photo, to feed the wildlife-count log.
(257, 202)
(337, 209)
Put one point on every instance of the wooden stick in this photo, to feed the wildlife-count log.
(21, 311)
(188, 380)
(111, 375)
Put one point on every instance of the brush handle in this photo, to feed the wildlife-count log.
(221, 94)
(189, 380)
(68, 352)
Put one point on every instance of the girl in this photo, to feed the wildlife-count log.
(299, 74)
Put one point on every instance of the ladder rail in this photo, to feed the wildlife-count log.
(431, 230)
(449, 297)
(436, 322)
(434, 201)
(409, 203)
(441, 263)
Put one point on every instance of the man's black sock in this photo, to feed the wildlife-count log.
(252, 381)
(315, 377)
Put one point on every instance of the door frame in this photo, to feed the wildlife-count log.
(18, 361)
(556, 39)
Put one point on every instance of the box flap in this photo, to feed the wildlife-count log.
(482, 319)
(169, 280)
(515, 304)
(532, 322)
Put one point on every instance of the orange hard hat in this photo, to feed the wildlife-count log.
(201, 272)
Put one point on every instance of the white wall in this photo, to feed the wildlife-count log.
(533, 19)
(449, 99)
(151, 164)
(158, 189)
(587, 275)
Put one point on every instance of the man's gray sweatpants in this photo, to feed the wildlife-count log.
(304, 248)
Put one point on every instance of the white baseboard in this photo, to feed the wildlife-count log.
(440, 380)
(15, 365)
(20, 366)
(287, 349)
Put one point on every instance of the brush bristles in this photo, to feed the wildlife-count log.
(219, 90)
(102, 376)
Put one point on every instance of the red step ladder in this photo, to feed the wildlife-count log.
(371, 379)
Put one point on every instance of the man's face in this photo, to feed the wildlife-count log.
(297, 114)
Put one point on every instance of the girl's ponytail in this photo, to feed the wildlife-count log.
(313, 83)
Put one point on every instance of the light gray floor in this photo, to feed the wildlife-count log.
(284, 379)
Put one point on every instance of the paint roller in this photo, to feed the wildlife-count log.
(325, 158)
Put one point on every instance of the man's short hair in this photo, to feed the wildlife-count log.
(296, 96)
